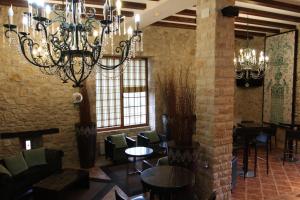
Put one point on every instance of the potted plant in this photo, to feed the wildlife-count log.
(86, 132)
(179, 95)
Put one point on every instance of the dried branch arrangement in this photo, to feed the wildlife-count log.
(179, 95)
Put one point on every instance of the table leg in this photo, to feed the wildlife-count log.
(246, 173)
(137, 171)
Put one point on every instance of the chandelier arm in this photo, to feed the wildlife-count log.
(21, 39)
(41, 27)
(58, 15)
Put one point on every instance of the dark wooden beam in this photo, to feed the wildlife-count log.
(243, 37)
(260, 13)
(257, 28)
(264, 23)
(181, 19)
(188, 12)
(173, 25)
(238, 32)
(275, 4)
(17, 3)
(23, 134)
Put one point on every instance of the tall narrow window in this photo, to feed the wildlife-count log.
(122, 99)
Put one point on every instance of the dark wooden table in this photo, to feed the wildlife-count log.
(135, 152)
(249, 131)
(54, 186)
(287, 127)
(166, 180)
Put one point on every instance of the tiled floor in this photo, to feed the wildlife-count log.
(282, 183)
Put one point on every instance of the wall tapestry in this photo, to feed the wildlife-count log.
(278, 106)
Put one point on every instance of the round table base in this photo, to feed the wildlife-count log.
(249, 174)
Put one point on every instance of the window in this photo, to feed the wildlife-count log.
(122, 98)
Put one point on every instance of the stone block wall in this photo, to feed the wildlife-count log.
(30, 100)
(33, 101)
(248, 101)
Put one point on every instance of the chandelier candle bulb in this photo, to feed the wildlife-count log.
(118, 7)
(137, 19)
(106, 10)
(124, 24)
(10, 14)
(129, 32)
(48, 11)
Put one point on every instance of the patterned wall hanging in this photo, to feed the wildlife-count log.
(280, 79)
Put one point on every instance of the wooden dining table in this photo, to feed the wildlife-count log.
(249, 131)
(167, 181)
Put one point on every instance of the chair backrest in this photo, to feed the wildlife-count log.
(118, 196)
(213, 196)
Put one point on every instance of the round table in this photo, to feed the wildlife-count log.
(164, 180)
(138, 152)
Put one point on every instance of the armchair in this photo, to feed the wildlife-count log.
(115, 146)
(149, 139)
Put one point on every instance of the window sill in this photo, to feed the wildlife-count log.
(124, 129)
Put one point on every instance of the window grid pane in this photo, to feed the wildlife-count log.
(131, 86)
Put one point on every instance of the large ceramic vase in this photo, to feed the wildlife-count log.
(86, 144)
(184, 156)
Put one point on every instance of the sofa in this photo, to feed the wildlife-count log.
(13, 186)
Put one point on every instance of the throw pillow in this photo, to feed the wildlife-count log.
(119, 140)
(3, 170)
(16, 164)
(35, 157)
(152, 136)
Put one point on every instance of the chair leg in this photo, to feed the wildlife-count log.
(267, 157)
(255, 159)
(270, 143)
(284, 150)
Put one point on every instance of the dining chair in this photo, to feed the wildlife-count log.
(271, 131)
(291, 135)
(262, 140)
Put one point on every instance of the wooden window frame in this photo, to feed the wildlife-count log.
(122, 127)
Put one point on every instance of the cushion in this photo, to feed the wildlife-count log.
(3, 170)
(35, 157)
(163, 161)
(152, 136)
(16, 164)
(119, 140)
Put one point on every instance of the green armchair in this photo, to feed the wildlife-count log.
(115, 146)
(149, 139)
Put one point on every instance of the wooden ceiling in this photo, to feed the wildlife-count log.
(259, 17)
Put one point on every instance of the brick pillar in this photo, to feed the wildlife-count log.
(215, 97)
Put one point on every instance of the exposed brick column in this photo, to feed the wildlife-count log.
(215, 96)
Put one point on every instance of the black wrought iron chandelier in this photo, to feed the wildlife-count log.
(69, 39)
(248, 64)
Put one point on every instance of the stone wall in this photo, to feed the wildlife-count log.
(166, 49)
(31, 100)
(248, 101)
